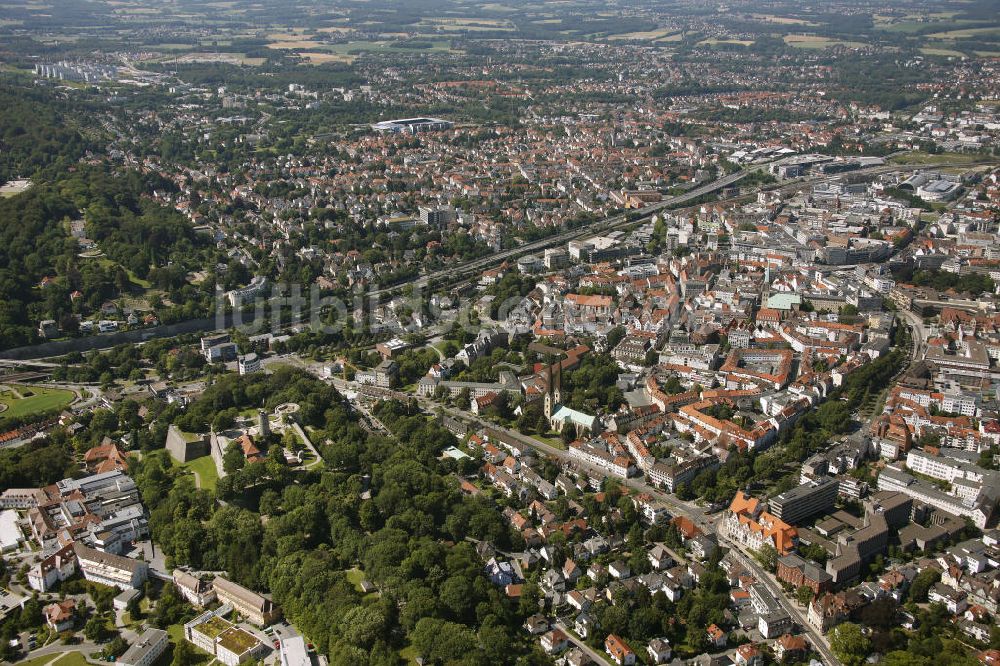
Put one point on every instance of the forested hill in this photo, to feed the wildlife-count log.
(141, 244)
(37, 130)
(385, 508)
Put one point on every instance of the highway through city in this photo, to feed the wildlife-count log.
(601, 226)
(459, 273)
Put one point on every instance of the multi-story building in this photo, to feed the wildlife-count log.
(670, 474)
(439, 216)
(594, 454)
(799, 572)
(293, 652)
(22, 498)
(102, 510)
(249, 364)
(856, 549)
(256, 608)
(146, 649)
(747, 523)
(943, 466)
(108, 569)
(808, 499)
(619, 651)
(55, 568)
(980, 510)
(829, 610)
(196, 591)
(222, 639)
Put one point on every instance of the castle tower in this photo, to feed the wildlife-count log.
(263, 424)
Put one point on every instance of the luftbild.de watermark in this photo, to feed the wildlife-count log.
(411, 308)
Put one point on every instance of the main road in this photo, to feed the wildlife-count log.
(455, 274)
(475, 265)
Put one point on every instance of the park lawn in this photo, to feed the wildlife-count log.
(551, 441)
(176, 633)
(41, 400)
(207, 471)
(355, 576)
(409, 654)
(111, 263)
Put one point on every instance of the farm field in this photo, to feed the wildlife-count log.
(650, 35)
(947, 53)
(782, 20)
(715, 42)
(965, 32)
(321, 57)
(817, 42)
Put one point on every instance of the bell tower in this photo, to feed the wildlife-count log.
(553, 388)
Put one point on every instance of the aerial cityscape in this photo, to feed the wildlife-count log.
(442, 332)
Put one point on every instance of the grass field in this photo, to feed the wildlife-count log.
(295, 44)
(714, 42)
(206, 469)
(176, 633)
(943, 158)
(354, 577)
(913, 27)
(73, 658)
(351, 48)
(320, 58)
(654, 35)
(782, 20)
(32, 400)
(409, 654)
(466, 24)
(946, 53)
(555, 442)
(109, 263)
(965, 32)
(817, 42)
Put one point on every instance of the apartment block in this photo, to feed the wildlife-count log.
(806, 500)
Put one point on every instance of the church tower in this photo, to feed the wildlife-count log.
(553, 388)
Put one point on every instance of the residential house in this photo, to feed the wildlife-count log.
(749, 655)
(716, 636)
(619, 652)
(790, 648)
(659, 651)
(61, 615)
(554, 641)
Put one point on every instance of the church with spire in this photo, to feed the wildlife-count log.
(559, 415)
